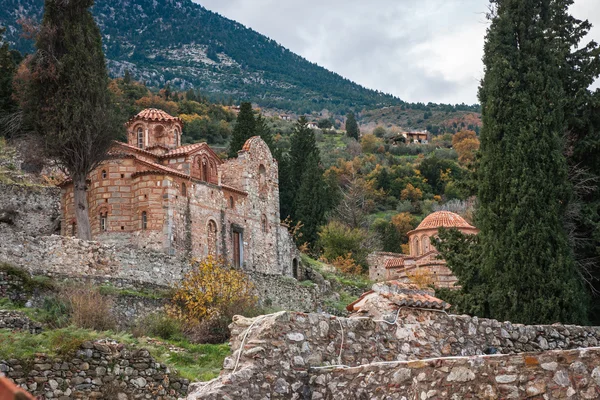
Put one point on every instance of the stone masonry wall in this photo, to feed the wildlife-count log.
(33, 210)
(67, 258)
(15, 320)
(281, 348)
(97, 370)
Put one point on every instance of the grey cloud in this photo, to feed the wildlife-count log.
(428, 50)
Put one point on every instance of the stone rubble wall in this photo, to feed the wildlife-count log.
(98, 369)
(17, 321)
(282, 347)
(33, 210)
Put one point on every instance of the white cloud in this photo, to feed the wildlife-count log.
(424, 51)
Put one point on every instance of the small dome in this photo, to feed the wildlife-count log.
(446, 219)
(154, 114)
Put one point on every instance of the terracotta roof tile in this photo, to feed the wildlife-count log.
(154, 114)
(394, 263)
(397, 294)
(184, 149)
(446, 219)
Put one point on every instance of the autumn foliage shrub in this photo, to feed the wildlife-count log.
(346, 264)
(208, 297)
(89, 308)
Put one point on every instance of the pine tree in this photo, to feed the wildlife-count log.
(526, 260)
(67, 101)
(243, 130)
(352, 129)
(309, 204)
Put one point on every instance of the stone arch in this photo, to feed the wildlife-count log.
(211, 237)
(416, 247)
(204, 168)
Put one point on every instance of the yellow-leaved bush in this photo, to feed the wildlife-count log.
(209, 295)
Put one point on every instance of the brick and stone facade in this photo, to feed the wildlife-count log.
(423, 257)
(184, 200)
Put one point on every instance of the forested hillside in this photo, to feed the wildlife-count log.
(182, 43)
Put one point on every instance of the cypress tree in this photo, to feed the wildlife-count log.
(263, 130)
(525, 255)
(352, 129)
(66, 100)
(243, 130)
(9, 59)
(302, 145)
(309, 203)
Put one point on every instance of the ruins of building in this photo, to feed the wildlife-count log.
(154, 193)
(423, 259)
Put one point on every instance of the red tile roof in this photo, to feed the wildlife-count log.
(10, 391)
(394, 263)
(399, 294)
(154, 114)
(446, 219)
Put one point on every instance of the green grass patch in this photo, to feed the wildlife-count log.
(196, 362)
(29, 283)
(359, 281)
(199, 362)
(110, 290)
(340, 305)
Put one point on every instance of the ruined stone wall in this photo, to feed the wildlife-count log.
(17, 321)
(376, 261)
(100, 369)
(284, 346)
(123, 266)
(34, 210)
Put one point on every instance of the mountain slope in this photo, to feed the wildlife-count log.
(180, 42)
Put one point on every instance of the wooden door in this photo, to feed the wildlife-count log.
(236, 249)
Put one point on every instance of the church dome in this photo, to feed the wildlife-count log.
(155, 115)
(444, 219)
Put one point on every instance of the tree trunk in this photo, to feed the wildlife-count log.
(82, 217)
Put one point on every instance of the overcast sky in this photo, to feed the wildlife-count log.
(427, 50)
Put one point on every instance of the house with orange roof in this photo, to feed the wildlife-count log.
(423, 261)
(154, 193)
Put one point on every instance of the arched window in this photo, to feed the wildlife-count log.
(104, 222)
(144, 220)
(204, 169)
(262, 177)
(183, 190)
(263, 223)
(176, 137)
(140, 137)
(103, 174)
(416, 247)
(211, 236)
(231, 202)
(73, 229)
(425, 242)
(295, 268)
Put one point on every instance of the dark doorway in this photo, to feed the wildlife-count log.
(295, 268)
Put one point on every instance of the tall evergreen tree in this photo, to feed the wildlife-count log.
(309, 204)
(243, 130)
(352, 129)
(9, 59)
(263, 130)
(302, 145)
(66, 100)
(525, 255)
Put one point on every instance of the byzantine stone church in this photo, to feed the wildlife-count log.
(154, 193)
(423, 257)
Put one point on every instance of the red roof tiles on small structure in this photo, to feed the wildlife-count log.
(444, 219)
(399, 294)
(154, 114)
